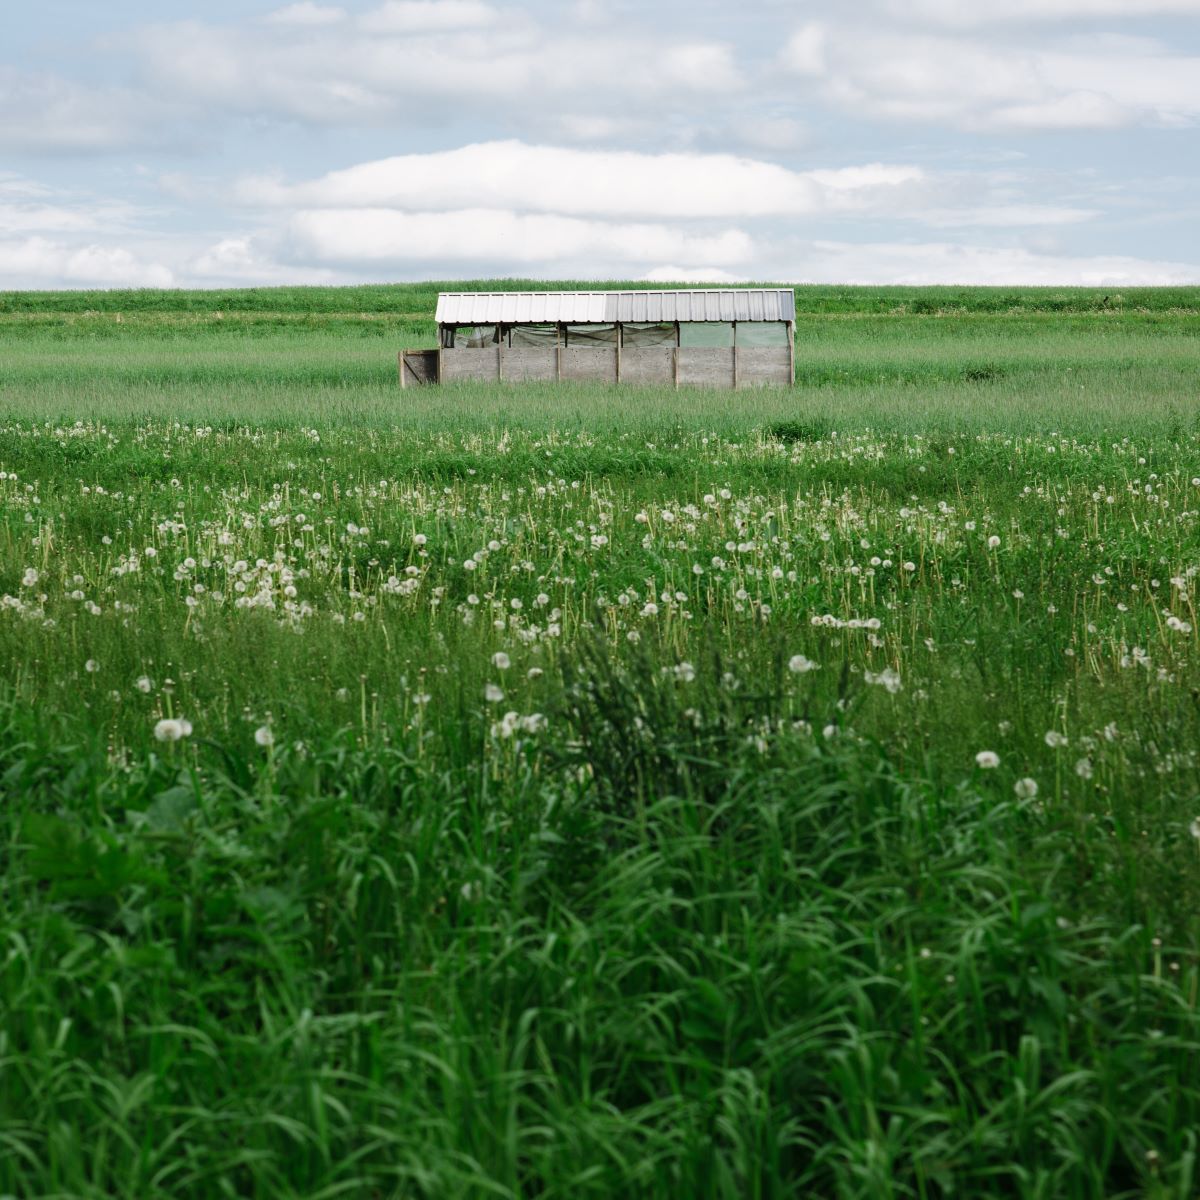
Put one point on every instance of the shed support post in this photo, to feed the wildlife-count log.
(618, 329)
(675, 366)
(735, 367)
(400, 366)
(791, 326)
(499, 361)
(439, 362)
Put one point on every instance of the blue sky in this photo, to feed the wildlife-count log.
(889, 141)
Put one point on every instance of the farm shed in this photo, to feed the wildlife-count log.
(718, 337)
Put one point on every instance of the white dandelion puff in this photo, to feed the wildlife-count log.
(799, 664)
(987, 759)
(263, 736)
(1026, 788)
(172, 729)
(887, 678)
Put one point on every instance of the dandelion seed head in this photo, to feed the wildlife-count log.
(172, 729)
(987, 759)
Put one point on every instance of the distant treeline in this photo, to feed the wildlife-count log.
(418, 299)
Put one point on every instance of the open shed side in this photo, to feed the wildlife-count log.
(719, 337)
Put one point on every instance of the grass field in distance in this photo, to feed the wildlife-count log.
(588, 792)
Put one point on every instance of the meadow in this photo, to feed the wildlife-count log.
(493, 791)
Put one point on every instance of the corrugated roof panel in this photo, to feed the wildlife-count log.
(590, 308)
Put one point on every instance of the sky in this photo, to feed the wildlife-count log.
(152, 143)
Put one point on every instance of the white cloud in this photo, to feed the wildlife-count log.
(40, 262)
(305, 13)
(426, 60)
(980, 12)
(933, 263)
(43, 218)
(1099, 83)
(691, 275)
(425, 16)
(804, 51)
(246, 261)
(46, 114)
(574, 182)
(491, 236)
(701, 65)
(1006, 216)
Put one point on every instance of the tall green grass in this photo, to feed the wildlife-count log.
(649, 854)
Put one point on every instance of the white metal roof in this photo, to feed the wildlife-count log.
(584, 308)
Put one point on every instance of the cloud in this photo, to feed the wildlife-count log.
(40, 262)
(246, 261)
(574, 182)
(1006, 216)
(491, 236)
(691, 275)
(1101, 83)
(425, 16)
(42, 113)
(934, 263)
(972, 12)
(434, 60)
(305, 13)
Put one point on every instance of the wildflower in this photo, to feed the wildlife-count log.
(171, 729)
(993, 542)
(30, 578)
(1054, 739)
(492, 694)
(987, 759)
(144, 684)
(1083, 768)
(887, 678)
(263, 736)
(685, 672)
(799, 664)
(501, 661)
(1025, 789)
(1194, 828)
(419, 539)
(91, 666)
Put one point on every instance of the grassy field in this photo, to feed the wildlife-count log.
(537, 792)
